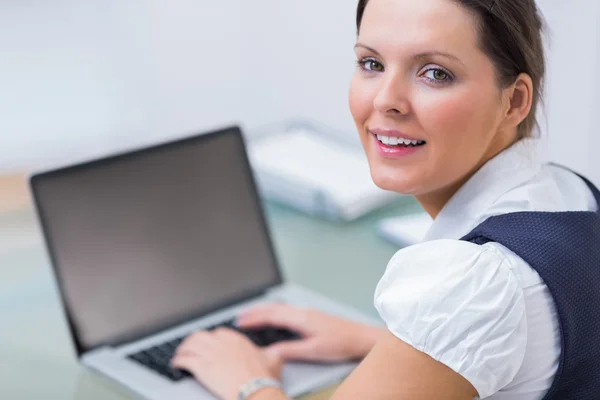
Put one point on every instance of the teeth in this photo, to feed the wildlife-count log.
(393, 141)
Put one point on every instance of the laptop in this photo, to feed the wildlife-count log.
(149, 246)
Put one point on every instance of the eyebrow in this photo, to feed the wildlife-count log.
(418, 56)
(438, 54)
(372, 50)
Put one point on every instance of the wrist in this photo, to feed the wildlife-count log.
(267, 393)
(259, 388)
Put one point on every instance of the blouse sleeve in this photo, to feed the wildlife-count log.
(461, 304)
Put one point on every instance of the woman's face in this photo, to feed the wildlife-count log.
(422, 79)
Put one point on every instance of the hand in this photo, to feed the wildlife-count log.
(324, 337)
(223, 360)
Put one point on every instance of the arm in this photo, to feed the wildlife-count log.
(396, 370)
(454, 302)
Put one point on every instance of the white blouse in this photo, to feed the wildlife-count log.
(482, 310)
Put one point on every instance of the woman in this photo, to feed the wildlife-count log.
(444, 98)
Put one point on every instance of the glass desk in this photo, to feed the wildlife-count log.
(342, 260)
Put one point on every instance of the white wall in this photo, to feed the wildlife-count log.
(573, 94)
(80, 78)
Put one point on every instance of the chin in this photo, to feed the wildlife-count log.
(395, 182)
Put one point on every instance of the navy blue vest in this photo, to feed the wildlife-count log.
(564, 248)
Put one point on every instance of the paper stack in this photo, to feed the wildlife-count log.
(315, 173)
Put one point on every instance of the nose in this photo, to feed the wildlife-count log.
(392, 97)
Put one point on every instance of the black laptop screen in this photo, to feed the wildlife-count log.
(144, 240)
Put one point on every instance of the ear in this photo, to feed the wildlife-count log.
(519, 98)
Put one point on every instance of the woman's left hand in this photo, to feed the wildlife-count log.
(223, 360)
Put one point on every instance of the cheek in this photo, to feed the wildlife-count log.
(449, 117)
(457, 125)
(459, 129)
(360, 100)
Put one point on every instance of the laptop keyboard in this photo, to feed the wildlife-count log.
(157, 358)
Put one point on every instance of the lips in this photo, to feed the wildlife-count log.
(395, 144)
(391, 137)
(395, 137)
(399, 141)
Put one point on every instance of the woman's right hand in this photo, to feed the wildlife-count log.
(325, 338)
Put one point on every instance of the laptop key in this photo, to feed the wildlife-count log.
(177, 374)
(229, 324)
(138, 357)
(254, 337)
(285, 334)
(272, 336)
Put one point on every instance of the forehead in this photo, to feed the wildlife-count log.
(418, 25)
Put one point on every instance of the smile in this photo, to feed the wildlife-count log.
(398, 141)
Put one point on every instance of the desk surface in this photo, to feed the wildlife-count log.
(342, 260)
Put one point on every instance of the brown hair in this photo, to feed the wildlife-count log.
(510, 33)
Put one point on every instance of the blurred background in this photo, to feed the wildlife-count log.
(85, 78)
(81, 78)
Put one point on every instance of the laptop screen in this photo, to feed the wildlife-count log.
(152, 238)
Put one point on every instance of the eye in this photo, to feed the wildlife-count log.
(371, 65)
(437, 75)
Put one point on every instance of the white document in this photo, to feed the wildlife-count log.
(316, 174)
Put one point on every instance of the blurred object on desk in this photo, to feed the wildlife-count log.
(405, 230)
(18, 230)
(13, 192)
(315, 170)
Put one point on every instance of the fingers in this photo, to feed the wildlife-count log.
(274, 362)
(185, 361)
(280, 315)
(231, 336)
(196, 342)
(210, 341)
(223, 360)
(299, 350)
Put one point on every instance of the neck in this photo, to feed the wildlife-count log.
(433, 202)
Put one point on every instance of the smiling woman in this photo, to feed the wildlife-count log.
(501, 300)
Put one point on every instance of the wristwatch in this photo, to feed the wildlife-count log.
(254, 385)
